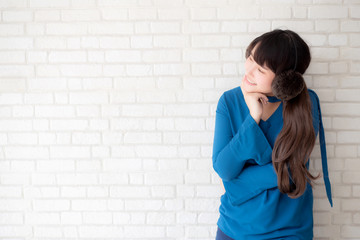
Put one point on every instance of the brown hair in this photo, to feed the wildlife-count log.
(282, 51)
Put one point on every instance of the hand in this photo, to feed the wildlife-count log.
(255, 102)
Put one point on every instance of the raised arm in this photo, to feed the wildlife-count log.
(231, 152)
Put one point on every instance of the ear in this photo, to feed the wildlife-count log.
(288, 85)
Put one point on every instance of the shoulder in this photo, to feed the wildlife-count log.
(315, 108)
(314, 99)
(231, 95)
(230, 98)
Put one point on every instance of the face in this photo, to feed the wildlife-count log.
(257, 78)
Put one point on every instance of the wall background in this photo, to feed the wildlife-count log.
(107, 112)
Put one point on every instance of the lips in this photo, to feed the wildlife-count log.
(249, 82)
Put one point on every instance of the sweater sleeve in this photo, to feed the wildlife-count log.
(252, 181)
(230, 153)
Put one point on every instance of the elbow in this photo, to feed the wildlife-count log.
(223, 173)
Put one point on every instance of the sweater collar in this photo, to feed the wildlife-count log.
(273, 99)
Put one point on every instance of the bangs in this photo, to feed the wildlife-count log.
(275, 51)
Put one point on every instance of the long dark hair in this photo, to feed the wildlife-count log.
(281, 51)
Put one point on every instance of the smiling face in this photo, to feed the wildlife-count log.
(257, 78)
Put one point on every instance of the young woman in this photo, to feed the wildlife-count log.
(265, 131)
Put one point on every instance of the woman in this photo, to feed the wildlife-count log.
(265, 131)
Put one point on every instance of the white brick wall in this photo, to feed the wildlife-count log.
(107, 112)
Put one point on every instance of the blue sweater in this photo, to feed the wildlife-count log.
(252, 206)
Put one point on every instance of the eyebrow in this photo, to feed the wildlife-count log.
(264, 67)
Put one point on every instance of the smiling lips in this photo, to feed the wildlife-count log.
(249, 82)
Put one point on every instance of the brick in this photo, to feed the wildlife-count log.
(350, 26)
(88, 98)
(330, 26)
(86, 138)
(11, 29)
(348, 137)
(87, 111)
(26, 152)
(121, 165)
(138, 205)
(200, 55)
(161, 55)
(100, 232)
(73, 192)
(351, 178)
(163, 192)
(142, 42)
(348, 95)
(350, 231)
(153, 232)
(131, 110)
(98, 218)
(13, 4)
(114, 14)
(161, 69)
(69, 152)
(324, 53)
(51, 205)
(325, 232)
(275, 12)
(163, 178)
(82, 70)
(203, 13)
(61, 125)
(142, 137)
(338, 67)
(125, 56)
(37, 29)
(328, 12)
(17, 16)
(155, 151)
(156, 97)
(165, 27)
(80, 15)
(354, 40)
(170, 41)
(66, 57)
(125, 192)
(47, 15)
(11, 218)
(114, 70)
(50, 43)
(142, 14)
(89, 205)
(22, 138)
(55, 111)
(350, 54)
(210, 41)
(173, 14)
(7, 57)
(16, 71)
(15, 231)
(66, 28)
(12, 84)
(52, 4)
(42, 218)
(16, 43)
(110, 28)
(71, 218)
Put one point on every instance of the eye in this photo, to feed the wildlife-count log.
(261, 70)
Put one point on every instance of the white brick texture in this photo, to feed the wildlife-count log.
(107, 112)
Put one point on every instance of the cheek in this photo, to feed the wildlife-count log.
(266, 82)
